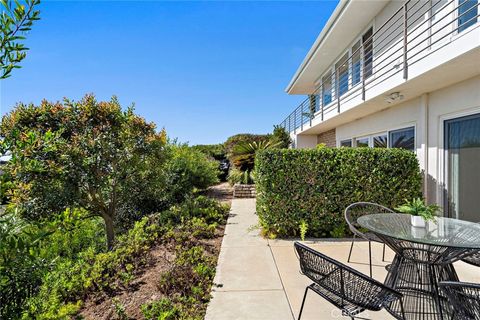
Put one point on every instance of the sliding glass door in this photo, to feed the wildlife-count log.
(462, 168)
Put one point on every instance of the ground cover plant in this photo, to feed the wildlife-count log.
(304, 192)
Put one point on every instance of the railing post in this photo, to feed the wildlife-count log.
(337, 85)
(321, 101)
(405, 33)
(312, 113)
(295, 121)
(362, 64)
(301, 117)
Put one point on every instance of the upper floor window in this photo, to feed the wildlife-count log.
(367, 40)
(341, 68)
(327, 88)
(356, 64)
(467, 13)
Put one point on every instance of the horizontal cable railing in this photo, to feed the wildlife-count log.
(403, 40)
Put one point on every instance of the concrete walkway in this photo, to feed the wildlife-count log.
(259, 279)
(247, 278)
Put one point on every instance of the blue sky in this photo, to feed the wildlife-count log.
(202, 70)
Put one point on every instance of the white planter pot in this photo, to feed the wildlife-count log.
(417, 221)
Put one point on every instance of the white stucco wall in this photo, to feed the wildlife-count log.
(427, 114)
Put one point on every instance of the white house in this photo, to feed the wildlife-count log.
(399, 74)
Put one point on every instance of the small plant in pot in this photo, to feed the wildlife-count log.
(419, 211)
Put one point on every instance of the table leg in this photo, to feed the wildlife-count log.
(419, 284)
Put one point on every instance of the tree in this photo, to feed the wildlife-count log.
(86, 154)
(281, 137)
(16, 19)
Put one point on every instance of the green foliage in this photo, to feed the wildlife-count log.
(303, 229)
(163, 309)
(243, 138)
(188, 170)
(16, 19)
(316, 185)
(417, 207)
(243, 177)
(86, 267)
(119, 309)
(215, 151)
(20, 265)
(85, 154)
(280, 137)
(6, 185)
(243, 154)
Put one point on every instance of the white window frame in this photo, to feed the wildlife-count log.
(331, 68)
(441, 152)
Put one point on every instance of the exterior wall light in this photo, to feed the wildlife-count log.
(393, 97)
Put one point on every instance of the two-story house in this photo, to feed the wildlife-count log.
(399, 74)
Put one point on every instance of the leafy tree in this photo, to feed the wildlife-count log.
(280, 137)
(86, 154)
(16, 18)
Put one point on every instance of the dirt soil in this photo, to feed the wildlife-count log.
(143, 289)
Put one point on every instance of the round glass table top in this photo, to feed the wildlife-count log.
(445, 232)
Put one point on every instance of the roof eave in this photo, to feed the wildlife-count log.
(326, 29)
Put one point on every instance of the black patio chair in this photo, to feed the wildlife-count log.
(473, 259)
(352, 213)
(464, 297)
(349, 290)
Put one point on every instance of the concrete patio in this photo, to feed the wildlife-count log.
(259, 279)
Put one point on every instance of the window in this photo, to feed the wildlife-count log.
(367, 40)
(341, 68)
(346, 143)
(467, 13)
(403, 138)
(356, 64)
(363, 142)
(327, 88)
(380, 141)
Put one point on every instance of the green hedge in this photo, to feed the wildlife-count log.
(314, 186)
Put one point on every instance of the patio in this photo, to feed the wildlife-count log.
(259, 279)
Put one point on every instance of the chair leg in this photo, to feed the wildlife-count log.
(303, 302)
(351, 247)
(370, 256)
(383, 254)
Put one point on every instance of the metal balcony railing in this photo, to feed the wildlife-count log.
(412, 33)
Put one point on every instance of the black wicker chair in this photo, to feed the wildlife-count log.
(352, 213)
(464, 297)
(349, 290)
(474, 259)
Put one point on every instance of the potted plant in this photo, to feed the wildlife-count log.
(419, 211)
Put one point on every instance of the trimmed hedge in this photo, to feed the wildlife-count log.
(314, 186)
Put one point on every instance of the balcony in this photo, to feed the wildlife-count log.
(418, 38)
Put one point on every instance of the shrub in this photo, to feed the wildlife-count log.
(241, 177)
(163, 309)
(189, 169)
(217, 152)
(316, 185)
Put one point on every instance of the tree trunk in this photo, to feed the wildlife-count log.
(110, 232)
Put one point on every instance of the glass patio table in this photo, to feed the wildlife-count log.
(423, 257)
